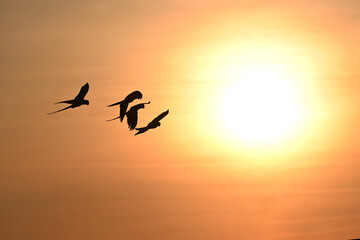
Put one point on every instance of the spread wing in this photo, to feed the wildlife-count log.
(132, 96)
(83, 91)
(161, 116)
(123, 109)
(129, 98)
(132, 118)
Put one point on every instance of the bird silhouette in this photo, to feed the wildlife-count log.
(77, 101)
(153, 124)
(124, 104)
(132, 115)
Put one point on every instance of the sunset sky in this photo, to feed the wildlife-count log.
(262, 140)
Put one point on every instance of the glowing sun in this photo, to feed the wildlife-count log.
(261, 105)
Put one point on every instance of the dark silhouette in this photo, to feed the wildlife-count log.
(153, 124)
(124, 104)
(132, 115)
(77, 101)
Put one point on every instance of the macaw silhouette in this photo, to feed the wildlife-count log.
(153, 124)
(77, 101)
(132, 115)
(124, 104)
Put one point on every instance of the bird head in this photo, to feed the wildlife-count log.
(138, 94)
(134, 95)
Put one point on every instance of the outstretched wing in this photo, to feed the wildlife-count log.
(132, 96)
(132, 118)
(129, 98)
(83, 91)
(161, 116)
(123, 109)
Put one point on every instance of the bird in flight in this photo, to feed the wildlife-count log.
(153, 124)
(124, 104)
(77, 101)
(132, 115)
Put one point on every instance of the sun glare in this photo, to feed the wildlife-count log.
(264, 96)
(261, 104)
(259, 88)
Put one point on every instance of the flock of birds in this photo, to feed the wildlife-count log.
(131, 114)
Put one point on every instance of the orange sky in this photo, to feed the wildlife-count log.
(74, 176)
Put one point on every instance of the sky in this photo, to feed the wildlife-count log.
(261, 140)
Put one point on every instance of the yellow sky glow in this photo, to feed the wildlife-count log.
(262, 138)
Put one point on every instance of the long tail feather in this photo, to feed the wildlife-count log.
(112, 119)
(59, 110)
(114, 104)
(67, 101)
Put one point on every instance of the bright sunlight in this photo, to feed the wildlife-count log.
(262, 99)
(261, 104)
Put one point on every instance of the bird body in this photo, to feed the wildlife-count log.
(153, 124)
(125, 103)
(77, 101)
(132, 115)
